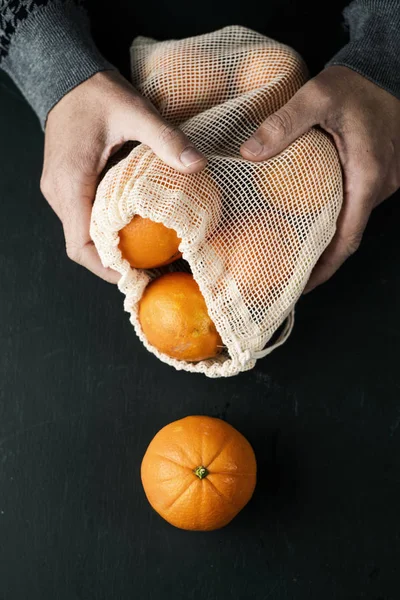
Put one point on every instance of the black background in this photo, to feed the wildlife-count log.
(80, 399)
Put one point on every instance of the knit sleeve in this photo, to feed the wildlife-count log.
(374, 46)
(47, 49)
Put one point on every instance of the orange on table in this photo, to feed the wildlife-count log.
(259, 251)
(182, 81)
(198, 473)
(146, 244)
(174, 318)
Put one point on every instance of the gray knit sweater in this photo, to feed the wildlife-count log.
(46, 47)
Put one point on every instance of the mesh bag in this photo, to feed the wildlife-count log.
(251, 232)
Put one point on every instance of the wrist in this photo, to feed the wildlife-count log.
(374, 47)
(51, 53)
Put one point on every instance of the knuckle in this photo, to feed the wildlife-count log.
(45, 186)
(280, 123)
(373, 168)
(372, 158)
(53, 185)
(168, 134)
(353, 243)
(395, 178)
(320, 90)
(393, 151)
(74, 253)
(372, 172)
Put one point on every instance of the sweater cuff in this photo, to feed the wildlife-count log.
(374, 47)
(52, 52)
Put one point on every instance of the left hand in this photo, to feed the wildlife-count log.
(364, 121)
(82, 131)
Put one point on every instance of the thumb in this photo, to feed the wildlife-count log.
(167, 141)
(283, 127)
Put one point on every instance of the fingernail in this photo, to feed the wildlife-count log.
(253, 146)
(190, 156)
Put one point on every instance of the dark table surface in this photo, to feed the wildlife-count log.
(80, 399)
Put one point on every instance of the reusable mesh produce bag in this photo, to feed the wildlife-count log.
(251, 232)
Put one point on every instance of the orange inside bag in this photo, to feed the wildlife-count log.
(251, 233)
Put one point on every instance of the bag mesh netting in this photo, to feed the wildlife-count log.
(251, 232)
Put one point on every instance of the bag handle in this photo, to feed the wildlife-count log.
(287, 330)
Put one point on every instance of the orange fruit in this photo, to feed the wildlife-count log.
(298, 182)
(261, 65)
(198, 473)
(259, 252)
(174, 318)
(146, 244)
(182, 81)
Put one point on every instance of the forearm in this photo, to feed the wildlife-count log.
(374, 46)
(47, 49)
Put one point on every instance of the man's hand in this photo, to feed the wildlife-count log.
(364, 121)
(82, 132)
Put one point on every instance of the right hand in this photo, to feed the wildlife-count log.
(83, 130)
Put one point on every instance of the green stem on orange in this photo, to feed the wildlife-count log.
(201, 472)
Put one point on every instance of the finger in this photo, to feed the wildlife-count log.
(168, 142)
(283, 127)
(89, 258)
(340, 249)
(76, 224)
(359, 201)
